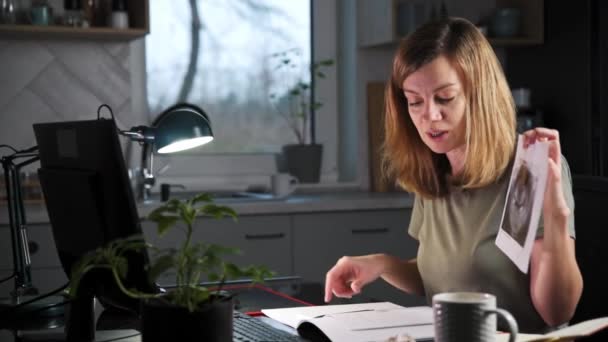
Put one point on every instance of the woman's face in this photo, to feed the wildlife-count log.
(436, 103)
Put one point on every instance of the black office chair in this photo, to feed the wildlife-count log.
(591, 221)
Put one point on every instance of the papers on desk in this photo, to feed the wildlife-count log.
(360, 322)
(579, 330)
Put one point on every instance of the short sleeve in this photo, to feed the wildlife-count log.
(416, 219)
(567, 188)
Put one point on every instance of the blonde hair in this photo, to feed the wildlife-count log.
(489, 114)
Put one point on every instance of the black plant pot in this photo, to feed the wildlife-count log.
(163, 322)
(304, 161)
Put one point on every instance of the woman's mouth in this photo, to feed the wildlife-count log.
(436, 135)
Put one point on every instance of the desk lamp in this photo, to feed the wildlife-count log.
(180, 127)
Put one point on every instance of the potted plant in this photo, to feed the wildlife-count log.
(294, 102)
(188, 310)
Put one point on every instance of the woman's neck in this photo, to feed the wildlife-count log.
(456, 158)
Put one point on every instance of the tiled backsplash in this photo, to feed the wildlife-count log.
(42, 81)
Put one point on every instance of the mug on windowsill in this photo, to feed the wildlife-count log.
(283, 184)
(469, 316)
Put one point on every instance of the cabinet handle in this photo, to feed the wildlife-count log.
(264, 236)
(369, 230)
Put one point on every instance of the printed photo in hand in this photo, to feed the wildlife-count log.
(523, 203)
(518, 209)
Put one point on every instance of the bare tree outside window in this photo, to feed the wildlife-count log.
(218, 54)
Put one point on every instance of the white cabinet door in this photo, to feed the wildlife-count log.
(321, 239)
(262, 240)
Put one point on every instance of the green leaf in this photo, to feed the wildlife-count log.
(170, 206)
(121, 266)
(198, 295)
(218, 211)
(202, 197)
(165, 223)
(232, 271)
(213, 276)
(218, 250)
(160, 265)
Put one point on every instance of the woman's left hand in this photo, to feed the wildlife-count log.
(555, 207)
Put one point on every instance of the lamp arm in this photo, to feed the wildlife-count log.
(17, 219)
(146, 176)
(142, 134)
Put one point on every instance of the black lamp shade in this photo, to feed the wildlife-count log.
(181, 128)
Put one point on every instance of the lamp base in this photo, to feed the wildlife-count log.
(45, 313)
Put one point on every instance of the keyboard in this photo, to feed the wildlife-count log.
(252, 329)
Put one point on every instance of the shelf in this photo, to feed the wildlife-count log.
(54, 32)
(382, 25)
(138, 20)
(514, 41)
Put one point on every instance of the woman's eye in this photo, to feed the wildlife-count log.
(443, 100)
(414, 103)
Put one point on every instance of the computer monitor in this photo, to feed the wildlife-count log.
(89, 200)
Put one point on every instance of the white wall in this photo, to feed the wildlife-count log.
(55, 80)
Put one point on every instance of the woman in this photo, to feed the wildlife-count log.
(450, 139)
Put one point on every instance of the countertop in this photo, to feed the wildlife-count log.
(297, 203)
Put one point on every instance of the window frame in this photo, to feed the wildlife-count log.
(239, 171)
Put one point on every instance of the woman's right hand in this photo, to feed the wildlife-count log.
(350, 274)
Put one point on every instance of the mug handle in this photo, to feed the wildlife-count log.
(504, 314)
(293, 182)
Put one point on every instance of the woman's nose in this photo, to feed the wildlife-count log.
(433, 113)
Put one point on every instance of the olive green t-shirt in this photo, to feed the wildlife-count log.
(457, 250)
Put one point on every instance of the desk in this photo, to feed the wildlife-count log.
(121, 326)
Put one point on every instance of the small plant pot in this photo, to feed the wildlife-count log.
(304, 161)
(166, 322)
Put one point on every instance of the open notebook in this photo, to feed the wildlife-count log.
(383, 321)
(358, 322)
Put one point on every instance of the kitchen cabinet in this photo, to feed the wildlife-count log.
(381, 24)
(304, 244)
(320, 239)
(263, 240)
(139, 26)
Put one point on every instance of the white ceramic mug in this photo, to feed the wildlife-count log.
(283, 184)
(468, 316)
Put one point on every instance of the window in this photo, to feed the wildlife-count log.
(228, 65)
